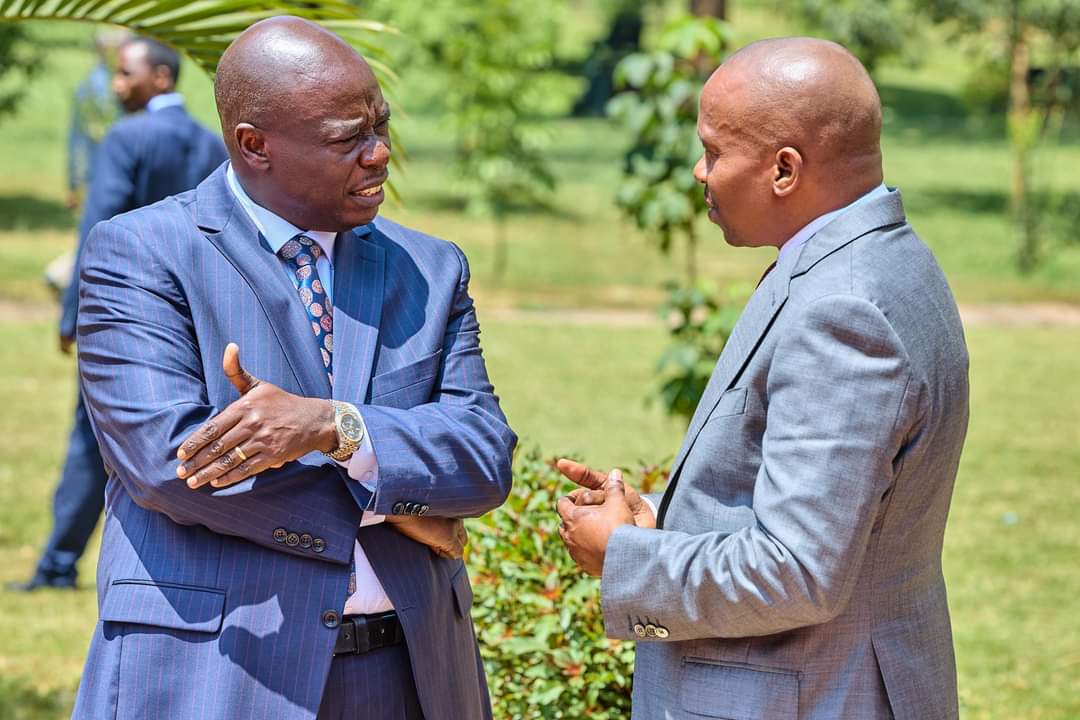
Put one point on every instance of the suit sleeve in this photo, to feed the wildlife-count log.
(112, 191)
(454, 452)
(835, 421)
(142, 377)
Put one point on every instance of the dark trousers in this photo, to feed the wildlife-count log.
(79, 499)
(378, 685)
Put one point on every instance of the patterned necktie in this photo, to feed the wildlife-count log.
(302, 253)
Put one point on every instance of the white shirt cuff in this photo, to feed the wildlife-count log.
(650, 504)
(363, 467)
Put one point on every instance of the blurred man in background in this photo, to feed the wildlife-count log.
(144, 158)
(94, 109)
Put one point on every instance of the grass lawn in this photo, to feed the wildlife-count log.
(1010, 546)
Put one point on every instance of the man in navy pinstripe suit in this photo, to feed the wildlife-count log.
(246, 571)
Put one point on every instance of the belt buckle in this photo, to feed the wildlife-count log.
(363, 634)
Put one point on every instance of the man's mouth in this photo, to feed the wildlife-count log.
(368, 192)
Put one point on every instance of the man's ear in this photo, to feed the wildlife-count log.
(787, 172)
(163, 79)
(251, 142)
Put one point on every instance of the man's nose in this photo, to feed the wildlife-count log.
(375, 153)
(699, 170)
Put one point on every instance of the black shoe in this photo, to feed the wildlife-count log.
(41, 581)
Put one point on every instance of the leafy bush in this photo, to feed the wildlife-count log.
(699, 324)
(537, 616)
(658, 106)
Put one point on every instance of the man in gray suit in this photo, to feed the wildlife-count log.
(792, 569)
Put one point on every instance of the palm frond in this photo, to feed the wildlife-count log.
(204, 28)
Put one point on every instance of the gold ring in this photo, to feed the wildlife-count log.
(240, 453)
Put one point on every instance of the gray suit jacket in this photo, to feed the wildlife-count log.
(798, 570)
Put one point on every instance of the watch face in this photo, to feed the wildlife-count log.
(350, 427)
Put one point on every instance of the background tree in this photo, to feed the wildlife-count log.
(1014, 28)
(659, 109)
(871, 29)
(20, 60)
(493, 61)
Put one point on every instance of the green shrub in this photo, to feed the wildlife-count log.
(537, 616)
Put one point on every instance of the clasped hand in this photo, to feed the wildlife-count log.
(268, 427)
(593, 511)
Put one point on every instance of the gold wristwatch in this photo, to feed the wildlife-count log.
(350, 430)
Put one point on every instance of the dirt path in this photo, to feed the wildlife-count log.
(983, 315)
(1041, 314)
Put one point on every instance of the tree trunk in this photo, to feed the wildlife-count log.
(1023, 133)
(709, 8)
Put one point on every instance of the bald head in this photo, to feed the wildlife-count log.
(805, 92)
(305, 124)
(268, 74)
(798, 120)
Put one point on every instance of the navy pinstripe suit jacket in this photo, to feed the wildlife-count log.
(203, 613)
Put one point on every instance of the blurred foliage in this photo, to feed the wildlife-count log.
(699, 323)
(202, 30)
(658, 107)
(871, 29)
(20, 60)
(1036, 42)
(539, 620)
(494, 57)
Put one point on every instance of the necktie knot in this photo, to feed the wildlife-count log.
(300, 251)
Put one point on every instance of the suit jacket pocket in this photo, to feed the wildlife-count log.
(463, 595)
(739, 692)
(165, 605)
(732, 402)
(407, 386)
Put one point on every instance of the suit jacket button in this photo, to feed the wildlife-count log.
(292, 539)
(650, 630)
(318, 545)
(280, 534)
(305, 541)
(639, 630)
(662, 632)
(331, 619)
(399, 508)
(410, 508)
(423, 510)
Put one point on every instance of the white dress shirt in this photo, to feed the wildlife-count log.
(363, 466)
(160, 102)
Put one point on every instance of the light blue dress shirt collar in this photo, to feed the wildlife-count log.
(160, 102)
(276, 229)
(800, 238)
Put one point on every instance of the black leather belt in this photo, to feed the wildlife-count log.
(363, 633)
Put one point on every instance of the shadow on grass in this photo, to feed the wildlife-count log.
(916, 113)
(978, 202)
(20, 701)
(27, 212)
(1051, 207)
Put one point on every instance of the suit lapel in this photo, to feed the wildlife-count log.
(765, 304)
(359, 274)
(235, 236)
(754, 322)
